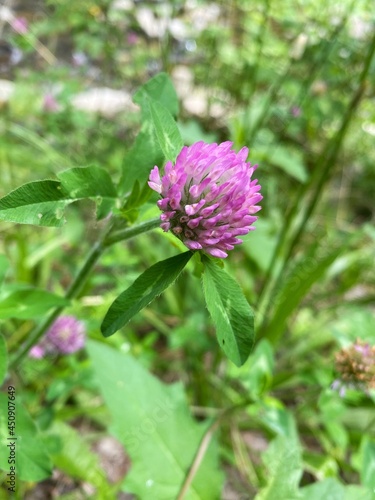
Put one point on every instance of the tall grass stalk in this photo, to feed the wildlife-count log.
(306, 201)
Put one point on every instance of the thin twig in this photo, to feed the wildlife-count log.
(198, 458)
(202, 449)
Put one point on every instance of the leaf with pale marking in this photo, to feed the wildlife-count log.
(167, 132)
(40, 203)
(145, 152)
(87, 182)
(230, 311)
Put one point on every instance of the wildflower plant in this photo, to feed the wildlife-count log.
(65, 336)
(355, 366)
(308, 267)
(208, 199)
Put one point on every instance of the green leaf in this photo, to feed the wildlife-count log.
(338, 433)
(329, 488)
(159, 89)
(191, 131)
(145, 288)
(87, 182)
(352, 491)
(75, 457)
(284, 466)
(256, 374)
(137, 197)
(290, 160)
(90, 182)
(230, 311)
(153, 422)
(132, 199)
(367, 453)
(104, 206)
(146, 152)
(332, 489)
(278, 420)
(260, 245)
(28, 303)
(32, 461)
(141, 158)
(320, 465)
(40, 203)
(353, 322)
(3, 359)
(309, 269)
(166, 131)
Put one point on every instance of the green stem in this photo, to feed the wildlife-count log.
(305, 204)
(125, 234)
(80, 280)
(313, 74)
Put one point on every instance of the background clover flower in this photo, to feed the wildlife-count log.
(20, 25)
(65, 336)
(356, 367)
(208, 197)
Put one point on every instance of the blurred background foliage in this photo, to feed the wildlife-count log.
(294, 81)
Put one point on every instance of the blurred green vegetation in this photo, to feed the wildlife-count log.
(294, 81)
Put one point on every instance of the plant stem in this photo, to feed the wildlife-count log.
(127, 233)
(80, 280)
(313, 74)
(198, 459)
(305, 203)
(203, 446)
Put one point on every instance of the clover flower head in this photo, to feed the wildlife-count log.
(37, 352)
(208, 197)
(50, 103)
(79, 59)
(20, 25)
(295, 111)
(356, 367)
(65, 336)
